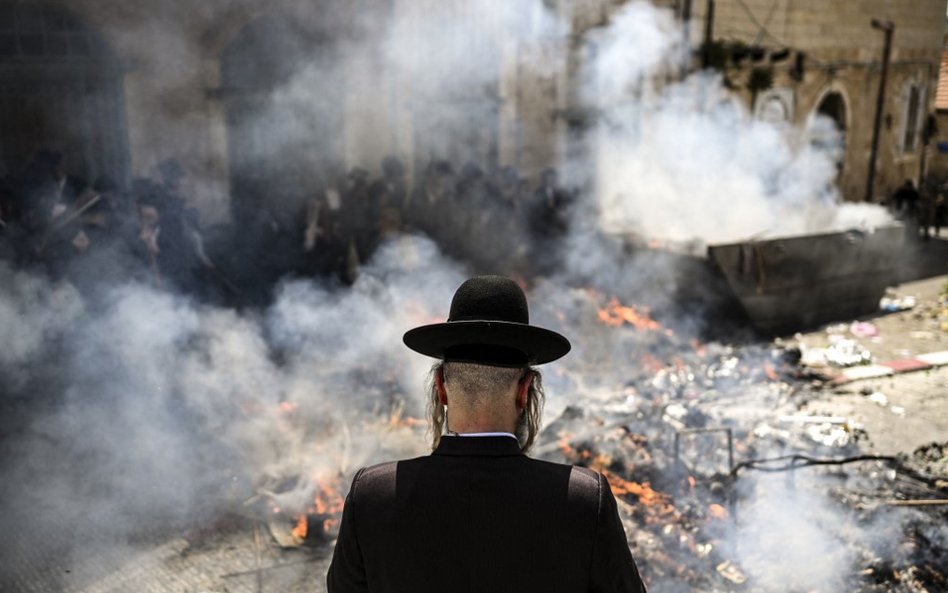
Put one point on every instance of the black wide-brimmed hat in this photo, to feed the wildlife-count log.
(489, 323)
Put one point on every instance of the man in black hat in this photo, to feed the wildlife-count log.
(477, 514)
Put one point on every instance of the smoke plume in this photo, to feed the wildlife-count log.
(139, 405)
(685, 160)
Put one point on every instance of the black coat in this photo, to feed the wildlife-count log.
(479, 516)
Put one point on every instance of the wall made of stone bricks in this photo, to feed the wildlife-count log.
(843, 53)
(828, 25)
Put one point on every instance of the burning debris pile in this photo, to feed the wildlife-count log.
(682, 429)
(679, 441)
(713, 469)
(136, 405)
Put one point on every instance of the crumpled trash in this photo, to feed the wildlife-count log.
(846, 353)
(829, 435)
(894, 303)
(841, 353)
(830, 431)
(731, 571)
(837, 329)
(863, 329)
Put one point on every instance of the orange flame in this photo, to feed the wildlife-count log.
(302, 527)
(651, 363)
(328, 499)
(328, 502)
(716, 511)
(616, 314)
(658, 505)
(643, 491)
(397, 420)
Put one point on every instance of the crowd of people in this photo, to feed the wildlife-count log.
(96, 233)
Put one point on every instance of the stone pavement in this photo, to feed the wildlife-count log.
(921, 362)
(899, 413)
(901, 398)
(903, 341)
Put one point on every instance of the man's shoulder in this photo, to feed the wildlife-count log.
(583, 484)
(375, 476)
(577, 472)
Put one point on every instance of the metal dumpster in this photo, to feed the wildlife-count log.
(791, 283)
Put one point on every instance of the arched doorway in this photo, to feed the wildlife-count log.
(60, 89)
(283, 111)
(832, 107)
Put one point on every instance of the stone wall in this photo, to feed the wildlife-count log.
(843, 54)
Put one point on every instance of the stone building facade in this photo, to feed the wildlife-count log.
(839, 73)
(937, 165)
(245, 93)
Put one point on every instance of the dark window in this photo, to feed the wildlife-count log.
(910, 139)
(31, 31)
(60, 89)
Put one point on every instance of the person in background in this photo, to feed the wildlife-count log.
(906, 199)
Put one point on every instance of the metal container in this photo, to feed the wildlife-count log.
(792, 283)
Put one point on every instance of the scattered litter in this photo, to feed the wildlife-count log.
(702, 550)
(863, 329)
(841, 353)
(892, 304)
(837, 329)
(764, 430)
(831, 431)
(898, 411)
(283, 534)
(879, 398)
(846, 353)
(814, 419)
(675, 411)
(731, 572)
(830, 435)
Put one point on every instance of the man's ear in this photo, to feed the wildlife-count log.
(439, 387)
(522, 390)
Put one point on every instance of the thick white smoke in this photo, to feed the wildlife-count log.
(147, 409)
(167, 407)
(686, 160)
(789, 537)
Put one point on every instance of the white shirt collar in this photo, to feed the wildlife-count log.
(482, 434)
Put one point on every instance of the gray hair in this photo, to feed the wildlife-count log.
(483, 381)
